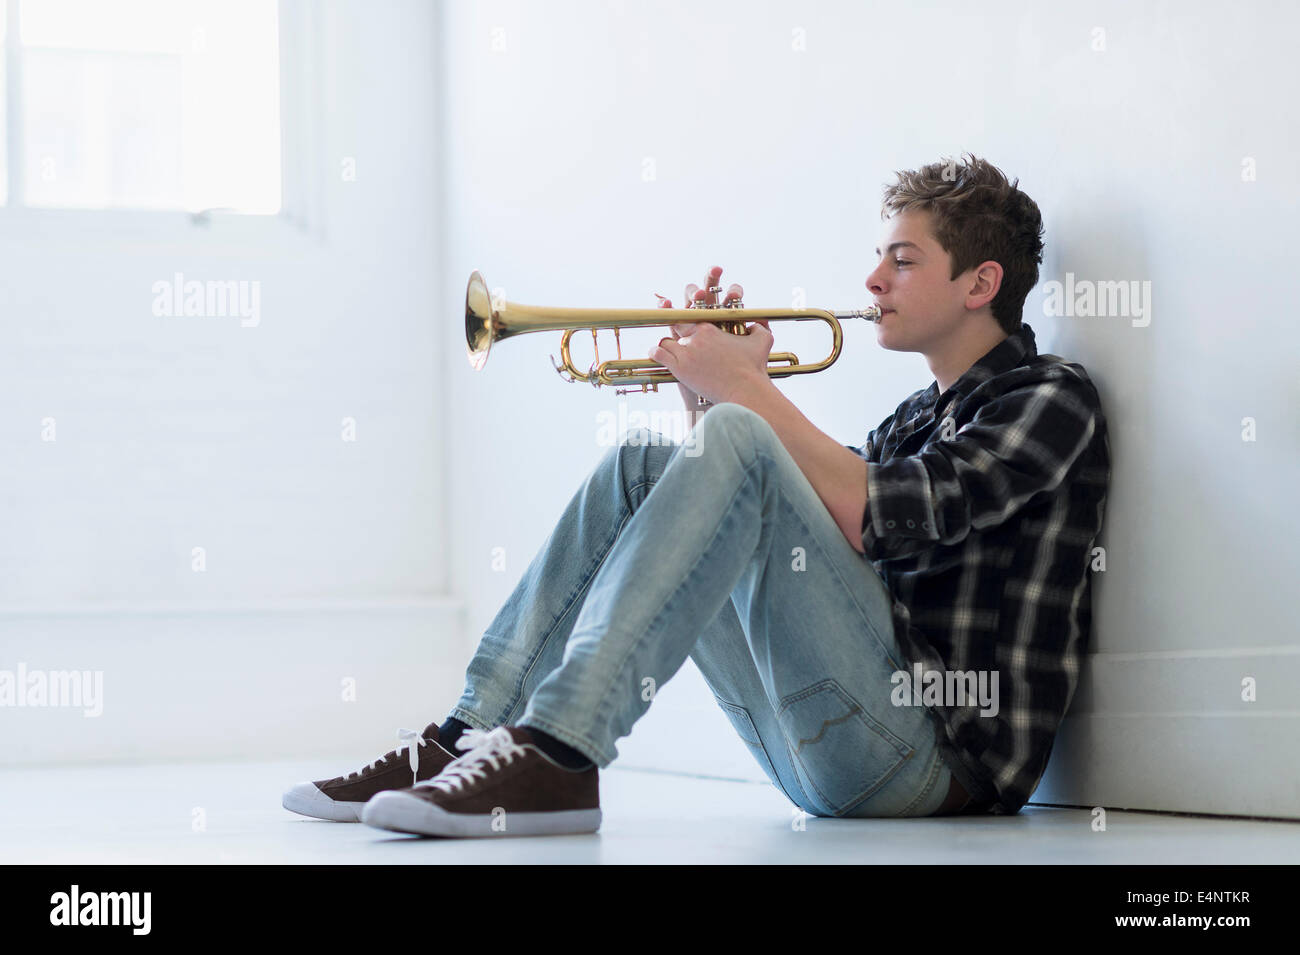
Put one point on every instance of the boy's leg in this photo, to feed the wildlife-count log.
(526, 639)
(739, 526)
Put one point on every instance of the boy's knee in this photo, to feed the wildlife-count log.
(736, 422)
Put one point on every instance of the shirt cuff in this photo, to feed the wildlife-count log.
(898, 505)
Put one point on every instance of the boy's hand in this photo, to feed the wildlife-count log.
(695, 295)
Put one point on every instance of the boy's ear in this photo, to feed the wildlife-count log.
(986, 281)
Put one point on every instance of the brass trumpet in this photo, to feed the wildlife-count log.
(487, 322)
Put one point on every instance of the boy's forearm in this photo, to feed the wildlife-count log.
(837, 474)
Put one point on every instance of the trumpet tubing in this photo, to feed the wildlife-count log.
(488, 322)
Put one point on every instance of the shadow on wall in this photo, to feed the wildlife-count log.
(1090, 241)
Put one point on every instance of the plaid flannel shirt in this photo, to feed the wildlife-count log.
(983, 507)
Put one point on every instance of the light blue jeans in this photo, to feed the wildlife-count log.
(727, 555)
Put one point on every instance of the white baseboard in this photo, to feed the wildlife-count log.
(1169, 731)
(263, 682)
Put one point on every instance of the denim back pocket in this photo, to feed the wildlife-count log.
(842, 753)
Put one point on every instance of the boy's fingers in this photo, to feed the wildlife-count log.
(711, 280)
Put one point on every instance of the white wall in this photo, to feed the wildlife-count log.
(769, 162)
(174, 433)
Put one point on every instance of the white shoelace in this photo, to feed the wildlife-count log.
(485, 746)
(411, 741)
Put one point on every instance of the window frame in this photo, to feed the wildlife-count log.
(299, 223)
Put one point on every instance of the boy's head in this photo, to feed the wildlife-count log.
(958, 239)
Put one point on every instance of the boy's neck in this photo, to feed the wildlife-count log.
(953, 358)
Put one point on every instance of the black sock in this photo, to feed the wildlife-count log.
(562, 753)
(449, 732)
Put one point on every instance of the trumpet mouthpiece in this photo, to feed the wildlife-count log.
(871, 313)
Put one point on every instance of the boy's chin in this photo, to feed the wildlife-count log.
(890, 340)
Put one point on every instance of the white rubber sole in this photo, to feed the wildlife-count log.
(306, 800)
(401, 812)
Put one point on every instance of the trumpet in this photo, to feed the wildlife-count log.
(488, 322)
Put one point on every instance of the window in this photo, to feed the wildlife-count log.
(142, 104)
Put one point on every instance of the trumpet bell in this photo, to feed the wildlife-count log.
(478, 320)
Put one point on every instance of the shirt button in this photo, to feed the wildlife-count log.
(911, 523)
(889, 523)
(925, 525)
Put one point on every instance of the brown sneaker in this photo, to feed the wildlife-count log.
(504, 786)
(343, 797)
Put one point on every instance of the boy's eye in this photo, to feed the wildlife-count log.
(902, 262)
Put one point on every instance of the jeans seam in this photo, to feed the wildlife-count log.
(758, 736)
(633, 490)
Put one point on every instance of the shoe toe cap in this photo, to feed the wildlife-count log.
(308, 800)
(304, 792)
(382, 808)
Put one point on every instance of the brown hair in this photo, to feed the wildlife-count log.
(977, 215)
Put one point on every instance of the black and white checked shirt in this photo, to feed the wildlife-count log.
(983, 528)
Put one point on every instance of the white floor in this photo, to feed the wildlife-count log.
(205, 813)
